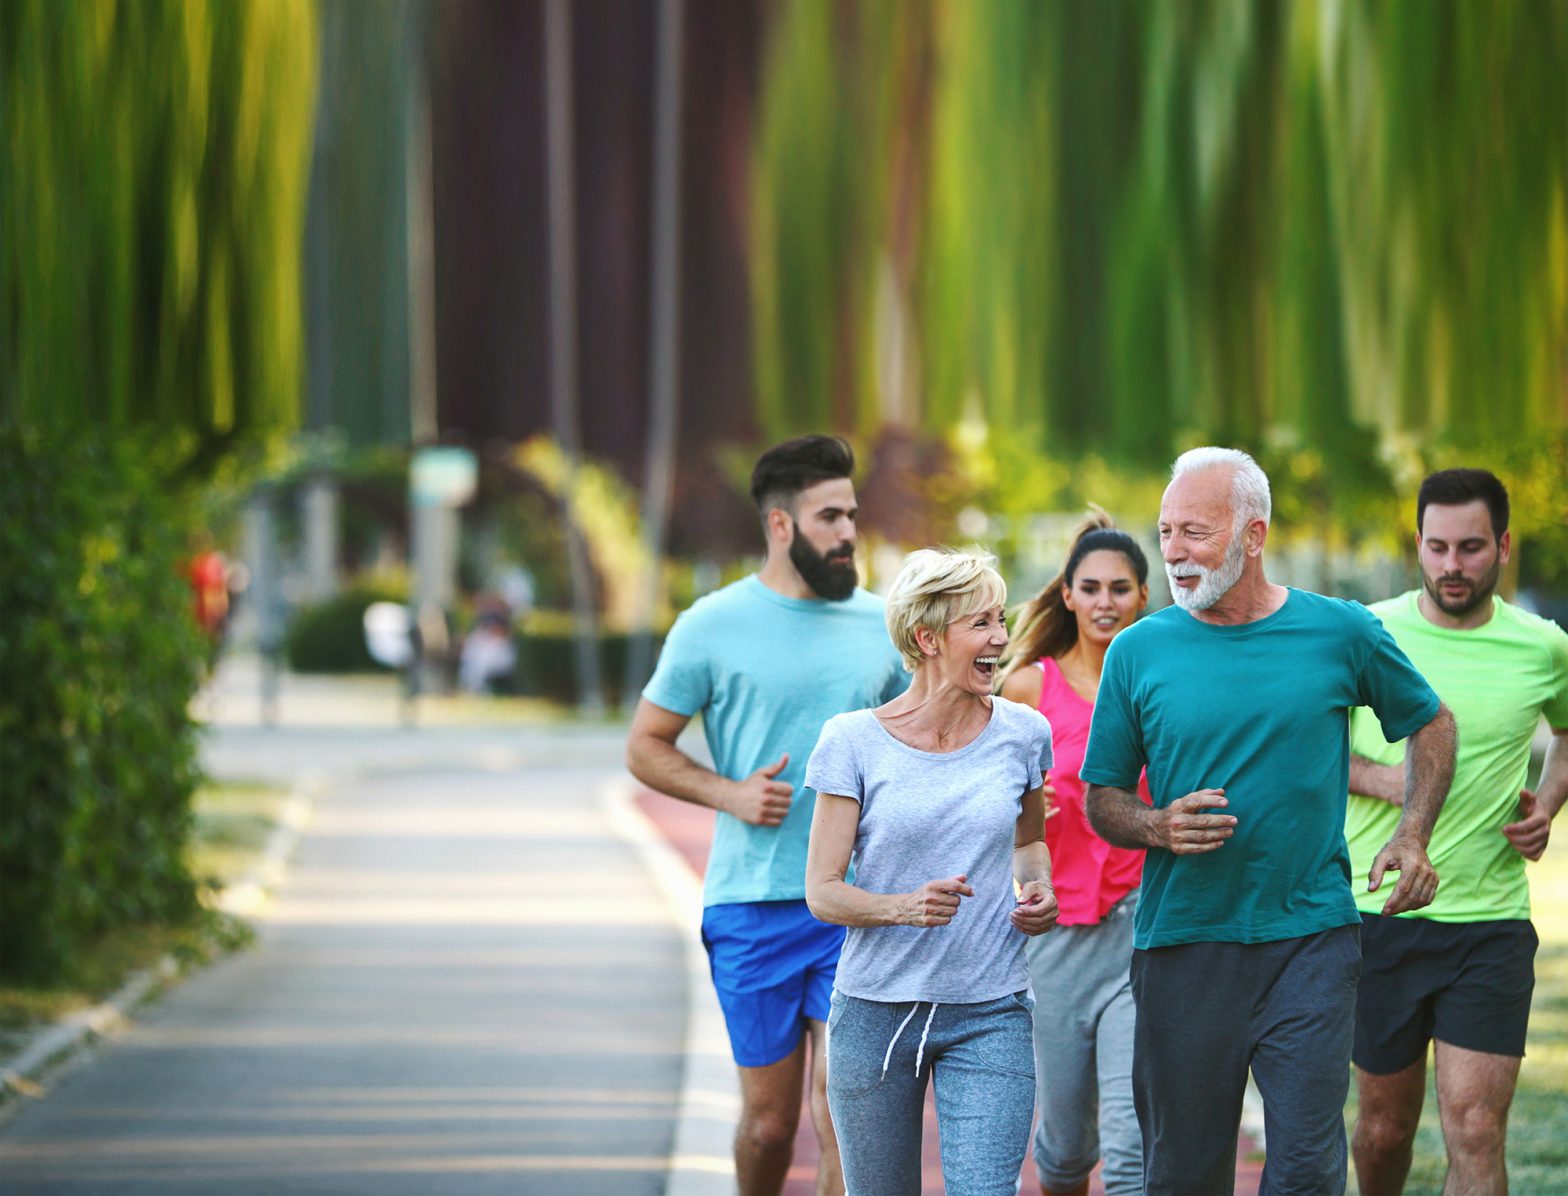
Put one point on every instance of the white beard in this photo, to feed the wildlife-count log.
(1213, 584)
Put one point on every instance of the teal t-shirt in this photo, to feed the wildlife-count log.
(1260, 710)
(765, 671)
(1498, 679)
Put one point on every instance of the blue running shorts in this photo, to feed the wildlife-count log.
(773, 966)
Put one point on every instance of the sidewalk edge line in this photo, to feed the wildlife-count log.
(701, 1161)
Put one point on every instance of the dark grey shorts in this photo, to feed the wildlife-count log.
(1464, 983)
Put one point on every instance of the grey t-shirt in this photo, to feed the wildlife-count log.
(925, 816)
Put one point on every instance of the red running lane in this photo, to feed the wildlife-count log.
(689, 829)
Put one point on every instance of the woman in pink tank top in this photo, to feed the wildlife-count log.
(1083, 1017)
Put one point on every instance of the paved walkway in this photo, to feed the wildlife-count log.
(480, 976)
(466, 985)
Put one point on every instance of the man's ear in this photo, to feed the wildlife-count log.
(1257, 535)
(780, 525)
(1505, 547)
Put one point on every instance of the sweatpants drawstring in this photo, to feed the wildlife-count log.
(920, 1052)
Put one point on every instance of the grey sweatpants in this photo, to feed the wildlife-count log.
(1083, 1031)
(1208, 1011)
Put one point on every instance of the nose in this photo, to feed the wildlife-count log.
(1172, 550)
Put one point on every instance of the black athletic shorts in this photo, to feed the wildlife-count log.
(1464, 983)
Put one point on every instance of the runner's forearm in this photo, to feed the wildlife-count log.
(1429, 771)
(1386, 782)
(1032, 861)
(1552, 790)
(1119, 817)
(661, 765)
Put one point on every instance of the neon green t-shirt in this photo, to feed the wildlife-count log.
(1498, 679)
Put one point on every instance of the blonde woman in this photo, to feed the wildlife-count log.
(935, 799)
(1083, 1017)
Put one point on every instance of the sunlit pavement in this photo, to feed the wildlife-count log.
(472, 980)
(465, 985)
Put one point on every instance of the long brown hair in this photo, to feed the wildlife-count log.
(1045, 627)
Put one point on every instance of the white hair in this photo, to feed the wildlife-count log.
(1249, 491)
(936, 586)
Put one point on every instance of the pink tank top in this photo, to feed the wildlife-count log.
(1089, 874)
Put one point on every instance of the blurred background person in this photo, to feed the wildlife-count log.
(487, 662)
(1083, 1016)
(936, 798)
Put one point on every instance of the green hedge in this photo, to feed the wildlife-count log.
(329, 636)
(100, 656)
(547, 663)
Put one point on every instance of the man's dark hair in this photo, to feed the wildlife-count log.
(1455, 487)
(786, 469)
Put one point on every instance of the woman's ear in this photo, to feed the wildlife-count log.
(927, 641)
(1143, 596)
(1067, 595)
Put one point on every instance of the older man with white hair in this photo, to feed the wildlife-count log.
(1247, 947)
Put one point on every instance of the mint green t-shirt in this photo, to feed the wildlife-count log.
(1262, 711)
(1498, 679)
(765, 671)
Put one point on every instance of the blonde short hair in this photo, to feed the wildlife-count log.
(936, 586)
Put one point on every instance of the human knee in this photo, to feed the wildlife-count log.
(1384, 1131)
(768, 1130)
(1477, 1131)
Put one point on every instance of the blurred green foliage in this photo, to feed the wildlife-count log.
(151, 209)
(1335, 234)
(151, 217)
(101, 655)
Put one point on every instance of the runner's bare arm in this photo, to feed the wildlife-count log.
(1036, 911)
(652, 757)
(1120, 817)
(831, 899)
(1386, 782)
(1539, 806)
(1429, 771)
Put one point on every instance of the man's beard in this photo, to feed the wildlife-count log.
(1480, 591)
(1213, 584)
(831, 576)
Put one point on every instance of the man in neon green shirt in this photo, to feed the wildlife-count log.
(1460, 970)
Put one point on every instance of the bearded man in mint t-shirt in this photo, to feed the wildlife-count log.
(767, 661)
(1246, 938)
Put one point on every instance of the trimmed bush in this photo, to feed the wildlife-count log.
(329, 636)
(547, 662)
(100, 656)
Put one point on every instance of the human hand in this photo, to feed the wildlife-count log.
(1048, 791)
(760, 799)
(1530, 834)
(1184, 830)
(1417, 878)
(1036, 910)
(935, 902)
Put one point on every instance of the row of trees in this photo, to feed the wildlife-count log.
(1337, 231)
(151, 209)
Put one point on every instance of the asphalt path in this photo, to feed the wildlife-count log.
(464, 986)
